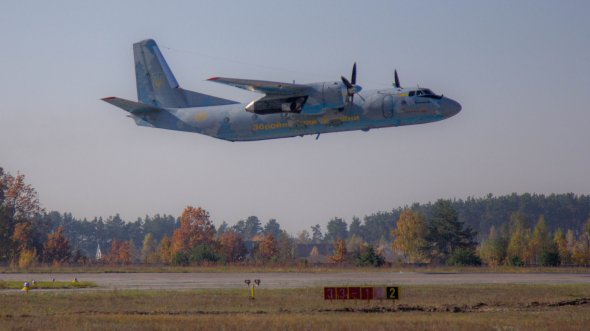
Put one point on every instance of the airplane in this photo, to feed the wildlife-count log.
(284, 109)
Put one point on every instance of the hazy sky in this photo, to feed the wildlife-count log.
(521, 70)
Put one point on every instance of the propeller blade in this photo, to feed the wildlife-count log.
(397, 84)
(353, 77)
(346, 82)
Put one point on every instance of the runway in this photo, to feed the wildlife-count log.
(211, 280)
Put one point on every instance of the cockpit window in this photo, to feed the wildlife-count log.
(425, 93)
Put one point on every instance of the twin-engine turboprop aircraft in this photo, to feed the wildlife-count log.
(284, 110)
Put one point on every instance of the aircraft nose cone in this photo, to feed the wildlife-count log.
(451, 107)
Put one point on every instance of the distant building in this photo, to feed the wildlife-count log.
(98, 253)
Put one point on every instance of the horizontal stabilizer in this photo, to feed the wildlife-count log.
(131, 106)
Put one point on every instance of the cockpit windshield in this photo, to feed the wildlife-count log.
(425, 93)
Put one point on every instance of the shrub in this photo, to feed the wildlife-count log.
(463, 256)
(180, 258)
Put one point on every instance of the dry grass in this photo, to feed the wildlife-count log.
(465, 307)
(324, 268)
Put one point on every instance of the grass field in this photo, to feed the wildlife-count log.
(464, 307)
(10, 284)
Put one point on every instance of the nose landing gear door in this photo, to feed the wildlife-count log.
(388, 106)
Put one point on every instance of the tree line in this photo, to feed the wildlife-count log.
(517, 230)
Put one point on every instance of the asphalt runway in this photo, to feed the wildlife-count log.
(210, 280)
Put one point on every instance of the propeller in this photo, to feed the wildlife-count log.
(396, 83)
(351, 87)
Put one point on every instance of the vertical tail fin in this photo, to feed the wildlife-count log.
(156, 84)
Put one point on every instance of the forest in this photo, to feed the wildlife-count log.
(516, 229)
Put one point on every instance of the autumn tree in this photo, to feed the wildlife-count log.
(57, 247)
(125, 255)
(314, 254)
(21, 228)
(164, 251)
(268, 248)
(148, 250)
(518, 241)
(560, 243)
(410, 236)
(113, 256)
(195, 229)
(493, 249)
(541, 249)
(339, 255)
(232, 247)
(581, 251)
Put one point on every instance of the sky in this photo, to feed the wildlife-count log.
(520, 69)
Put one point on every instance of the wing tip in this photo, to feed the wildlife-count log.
(213, 78)
(108, 98)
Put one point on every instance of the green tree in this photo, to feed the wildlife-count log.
(252, 227)
(446, 233)
(368, 257)
(337, 229)
(273, 228)
(355, 228)
(316, 234)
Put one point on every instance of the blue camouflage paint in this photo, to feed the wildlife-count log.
(163, 104)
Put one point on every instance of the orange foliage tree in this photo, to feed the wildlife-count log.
(231, 246)
(195, 229)
(268, 247)
(120, 252)
(57, 247)
(339, 255)
(20, 226)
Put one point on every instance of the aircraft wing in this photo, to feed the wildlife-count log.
(264, 87)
